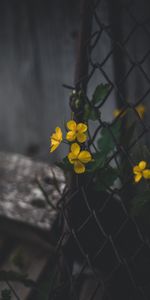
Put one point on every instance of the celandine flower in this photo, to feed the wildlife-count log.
(55, 139)
(76, 131)
(79, 158)
(117, 112)
(139, 108)
(141, 171)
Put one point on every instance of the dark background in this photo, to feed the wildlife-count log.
(37, 55)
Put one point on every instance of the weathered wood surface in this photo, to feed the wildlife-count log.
(28, 192)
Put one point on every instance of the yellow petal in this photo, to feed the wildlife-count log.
(72, 157)
(71, 125)
(79, 168)
(137, 177)
(81, 127)
(85, 157)
(142, 165)
(146, 174)
(116, 112)
(141, 110)
(54, 142)
(75, 149)
(81, 137)
(136, 170)
(58, 133)
(71, 136)
(53, 147)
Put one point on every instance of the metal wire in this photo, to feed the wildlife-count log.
(105, 241)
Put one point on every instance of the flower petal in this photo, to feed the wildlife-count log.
(54, 142)
(136, 170)
(81, 137)
(137, 177)
(81, 127)
(146, 174)
(116, 112)
(72, 157)
(141, 110)
(79, 168)
(71, 136)
(142, 165)
(54, 146)
(58, 133)
(71, 125)
(85, 157)
(75, 149)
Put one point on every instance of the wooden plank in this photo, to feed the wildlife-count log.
(29, 193)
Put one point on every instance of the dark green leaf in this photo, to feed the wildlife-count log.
(106, 178)
(100, 93)
(97, 163)
(90, 113)
(15, 276)
(106, 143)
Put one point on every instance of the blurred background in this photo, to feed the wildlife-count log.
(37, 56)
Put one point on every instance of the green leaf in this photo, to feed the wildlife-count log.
(106, 178)
(15, 276)
(100, 93)
(106, 142)
(90, 113)
(97, 163)
(139, 203)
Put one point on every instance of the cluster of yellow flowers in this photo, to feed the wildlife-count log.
(140, 171)
(76, 135)
(140, 109)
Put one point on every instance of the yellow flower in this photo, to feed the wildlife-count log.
(79, 158)
(141, 110)
(55, 139)
(117, 112)
(141, 171)
(76, 131)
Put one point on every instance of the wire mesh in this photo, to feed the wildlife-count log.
(106, 250)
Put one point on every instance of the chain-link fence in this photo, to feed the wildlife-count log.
(106, 249)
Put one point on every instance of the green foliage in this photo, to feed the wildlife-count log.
(105, 178)
(106, 142)
(100, 93)
(5, 294)
(90, 113)
(15, 276)
(97, 163)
